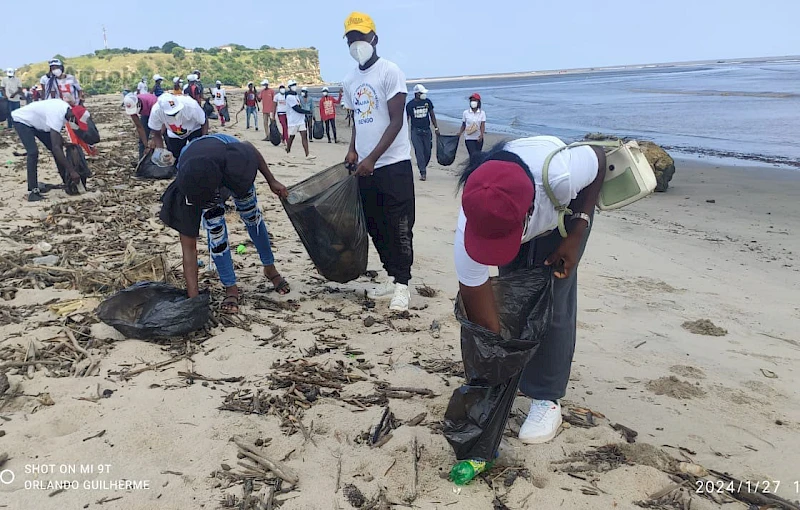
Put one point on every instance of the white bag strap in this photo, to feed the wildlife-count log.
(563, 209)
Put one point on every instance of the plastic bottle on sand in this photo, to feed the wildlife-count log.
(463, 472)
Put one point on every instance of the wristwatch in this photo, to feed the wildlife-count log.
(582, 216)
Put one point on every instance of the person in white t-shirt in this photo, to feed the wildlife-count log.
(220, 101)
(57, 83)
(296, 119)
(11, 89)
(183, 120)
(380, 153)
(141, 88)
(280, 112)
(44, 120)
(507, 220)
(473, 123)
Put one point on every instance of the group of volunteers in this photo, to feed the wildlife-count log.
(506, 218)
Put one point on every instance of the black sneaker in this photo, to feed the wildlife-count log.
(256, 128)
(35, 195)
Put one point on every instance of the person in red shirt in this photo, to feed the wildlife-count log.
(267, 99)
(327, 111)
(251, 103)
(193, 89)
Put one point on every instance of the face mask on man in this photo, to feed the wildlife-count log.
(325, 93)
(305, 94)
(423, 96)
(57, 72)
(362, 51)
(282, 90)
(293, 88)
(473, 104)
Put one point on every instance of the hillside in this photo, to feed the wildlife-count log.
(106, 72)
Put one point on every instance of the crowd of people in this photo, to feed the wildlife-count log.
(505, 218)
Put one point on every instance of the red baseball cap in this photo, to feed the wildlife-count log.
(496, 200)
(475, 96)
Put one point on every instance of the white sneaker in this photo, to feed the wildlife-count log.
(383, 290)
(542, 422)
(401, 298)
(310, 157)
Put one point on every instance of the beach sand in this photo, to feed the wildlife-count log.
(730, 403)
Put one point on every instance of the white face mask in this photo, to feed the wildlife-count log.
(57, 73)
(423, 96)
(325, 93)
(362, 51)
(473, 104)
(293, 88)
(282, 90)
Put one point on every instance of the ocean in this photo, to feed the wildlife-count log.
(746, 111)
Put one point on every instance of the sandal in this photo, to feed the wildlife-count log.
(230, 305)
(282, 287)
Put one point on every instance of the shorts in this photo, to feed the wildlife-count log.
(293, 130)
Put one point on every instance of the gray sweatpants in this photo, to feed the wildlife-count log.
(547, 374)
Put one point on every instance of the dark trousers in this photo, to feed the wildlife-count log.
(28, 136)
(473, 146)
(547, 374)
(330, 125)
(422, 139)
(142, 148)
(176, 145)
(12, 105)
(388, 200)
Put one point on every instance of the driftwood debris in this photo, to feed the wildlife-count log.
(282, 471)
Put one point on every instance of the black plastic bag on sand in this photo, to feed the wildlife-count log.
(478, 411)
(75, 156)
(225, 113)
(326, 212)
(146, 169)
(274, 133)
(152, 310)
(446, 148)
(319, 130)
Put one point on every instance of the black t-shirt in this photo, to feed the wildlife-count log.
(419, 110)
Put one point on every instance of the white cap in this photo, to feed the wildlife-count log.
(131, 104)
(292, 83)
(219, 82)
(304, 89)
(325, 89)
(192, 77)
(169, 104)
(157, 77)
(55, 62)
(249, 83)
(419, 89)
(10, 72)
(176, 80)
(264, 82)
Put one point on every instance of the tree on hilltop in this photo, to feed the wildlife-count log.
(169, 46)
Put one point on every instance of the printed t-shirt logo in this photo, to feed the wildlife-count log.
(329, 109)
(366, 102)
(420, 112)
(178, 130)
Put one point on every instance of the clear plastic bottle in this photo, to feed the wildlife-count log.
(463, 472)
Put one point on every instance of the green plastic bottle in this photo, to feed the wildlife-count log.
(463, 472)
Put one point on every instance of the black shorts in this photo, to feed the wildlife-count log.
(178, 214)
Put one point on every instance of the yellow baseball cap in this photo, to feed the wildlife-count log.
(359, 22)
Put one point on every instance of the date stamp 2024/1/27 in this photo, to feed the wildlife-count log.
(759, 486)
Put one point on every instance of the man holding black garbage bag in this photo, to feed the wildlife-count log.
(380, 153)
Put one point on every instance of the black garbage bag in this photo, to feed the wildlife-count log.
(152, 310)
(209, 110)
(446, 148)
(146, 169)
(4, 109)
(326, 212)
(319, 130)
(74, 154)
(225, 114)
(478, 411)
(274, 133)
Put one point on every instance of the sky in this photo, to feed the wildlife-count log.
(434, 37)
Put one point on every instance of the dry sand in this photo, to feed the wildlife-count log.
(732, 402)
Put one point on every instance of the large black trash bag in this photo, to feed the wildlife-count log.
(446, 148)
(152, 310)
(319, 130)
(225, 113)
(325, 209)
(478, 411)
(209, 110)
(274, 133)
(74, 154)
(146, 169)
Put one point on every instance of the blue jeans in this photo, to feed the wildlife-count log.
(217, 230)
(12, 105)
(251, 110)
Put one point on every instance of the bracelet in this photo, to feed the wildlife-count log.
(582, 216)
